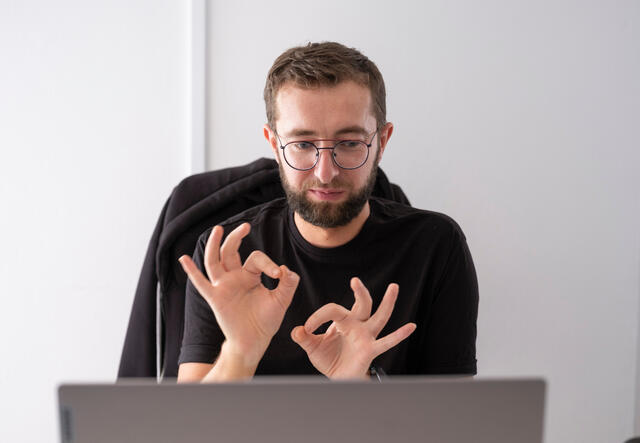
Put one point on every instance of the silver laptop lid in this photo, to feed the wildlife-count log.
(309, 410)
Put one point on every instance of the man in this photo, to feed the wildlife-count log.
(288, 268)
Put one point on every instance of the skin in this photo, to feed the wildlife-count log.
(249, 314)
(327, 113)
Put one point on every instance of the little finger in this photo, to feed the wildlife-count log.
(387, 342)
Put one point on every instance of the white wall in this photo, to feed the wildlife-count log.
(520, 120)
(94, 133)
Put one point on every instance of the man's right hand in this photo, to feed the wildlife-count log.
(247, 312)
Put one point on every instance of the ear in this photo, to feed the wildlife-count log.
(384, 134)
(270, 136)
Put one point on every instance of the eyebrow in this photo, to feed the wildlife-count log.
(355, 129)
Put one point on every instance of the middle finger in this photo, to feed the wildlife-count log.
(362, 306)
(212, 253)
(229, 255)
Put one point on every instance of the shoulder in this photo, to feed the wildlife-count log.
(274, 211)
(258, 214)
(410, 219)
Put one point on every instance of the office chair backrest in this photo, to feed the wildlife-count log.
(154, 334)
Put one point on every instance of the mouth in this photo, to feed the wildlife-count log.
(327, 194)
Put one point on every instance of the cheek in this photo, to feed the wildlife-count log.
(296, 178)
(362, 176)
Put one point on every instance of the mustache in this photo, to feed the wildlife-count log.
(331, 185)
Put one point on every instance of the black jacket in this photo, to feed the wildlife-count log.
(154, 334)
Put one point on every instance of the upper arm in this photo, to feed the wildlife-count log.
(451, 327)
(193, 372)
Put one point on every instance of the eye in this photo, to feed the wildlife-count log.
(351, 144)
(302, 146)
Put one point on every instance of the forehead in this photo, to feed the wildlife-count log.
(323, 110)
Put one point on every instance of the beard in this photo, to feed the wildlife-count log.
(328, 214)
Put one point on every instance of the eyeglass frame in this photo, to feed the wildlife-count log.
(368, 145)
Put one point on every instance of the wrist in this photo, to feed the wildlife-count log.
(363, 376)
(351, 375)
(244, 355)
(234, 364)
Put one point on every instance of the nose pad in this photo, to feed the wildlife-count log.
(326, 169)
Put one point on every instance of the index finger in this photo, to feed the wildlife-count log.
(329, 312)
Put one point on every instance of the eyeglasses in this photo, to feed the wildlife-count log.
(346, 154)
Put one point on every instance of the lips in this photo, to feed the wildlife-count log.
(327, 194)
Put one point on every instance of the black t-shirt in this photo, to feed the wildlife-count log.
(424, 252)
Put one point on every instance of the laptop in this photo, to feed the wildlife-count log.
(309, 410)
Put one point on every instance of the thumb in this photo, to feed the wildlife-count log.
(305, 340)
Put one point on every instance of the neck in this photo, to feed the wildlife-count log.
(332, 237)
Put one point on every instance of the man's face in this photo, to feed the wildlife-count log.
(327, 195)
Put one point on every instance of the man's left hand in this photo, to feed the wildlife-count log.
(350, 344)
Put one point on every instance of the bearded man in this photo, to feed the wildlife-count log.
(271, 297)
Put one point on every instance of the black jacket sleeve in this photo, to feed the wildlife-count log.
(139, 351)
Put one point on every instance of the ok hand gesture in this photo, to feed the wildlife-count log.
(349, 345)
(248, 313)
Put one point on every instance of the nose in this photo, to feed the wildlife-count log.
(325, 169)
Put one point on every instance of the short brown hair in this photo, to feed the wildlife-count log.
(324, 64)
